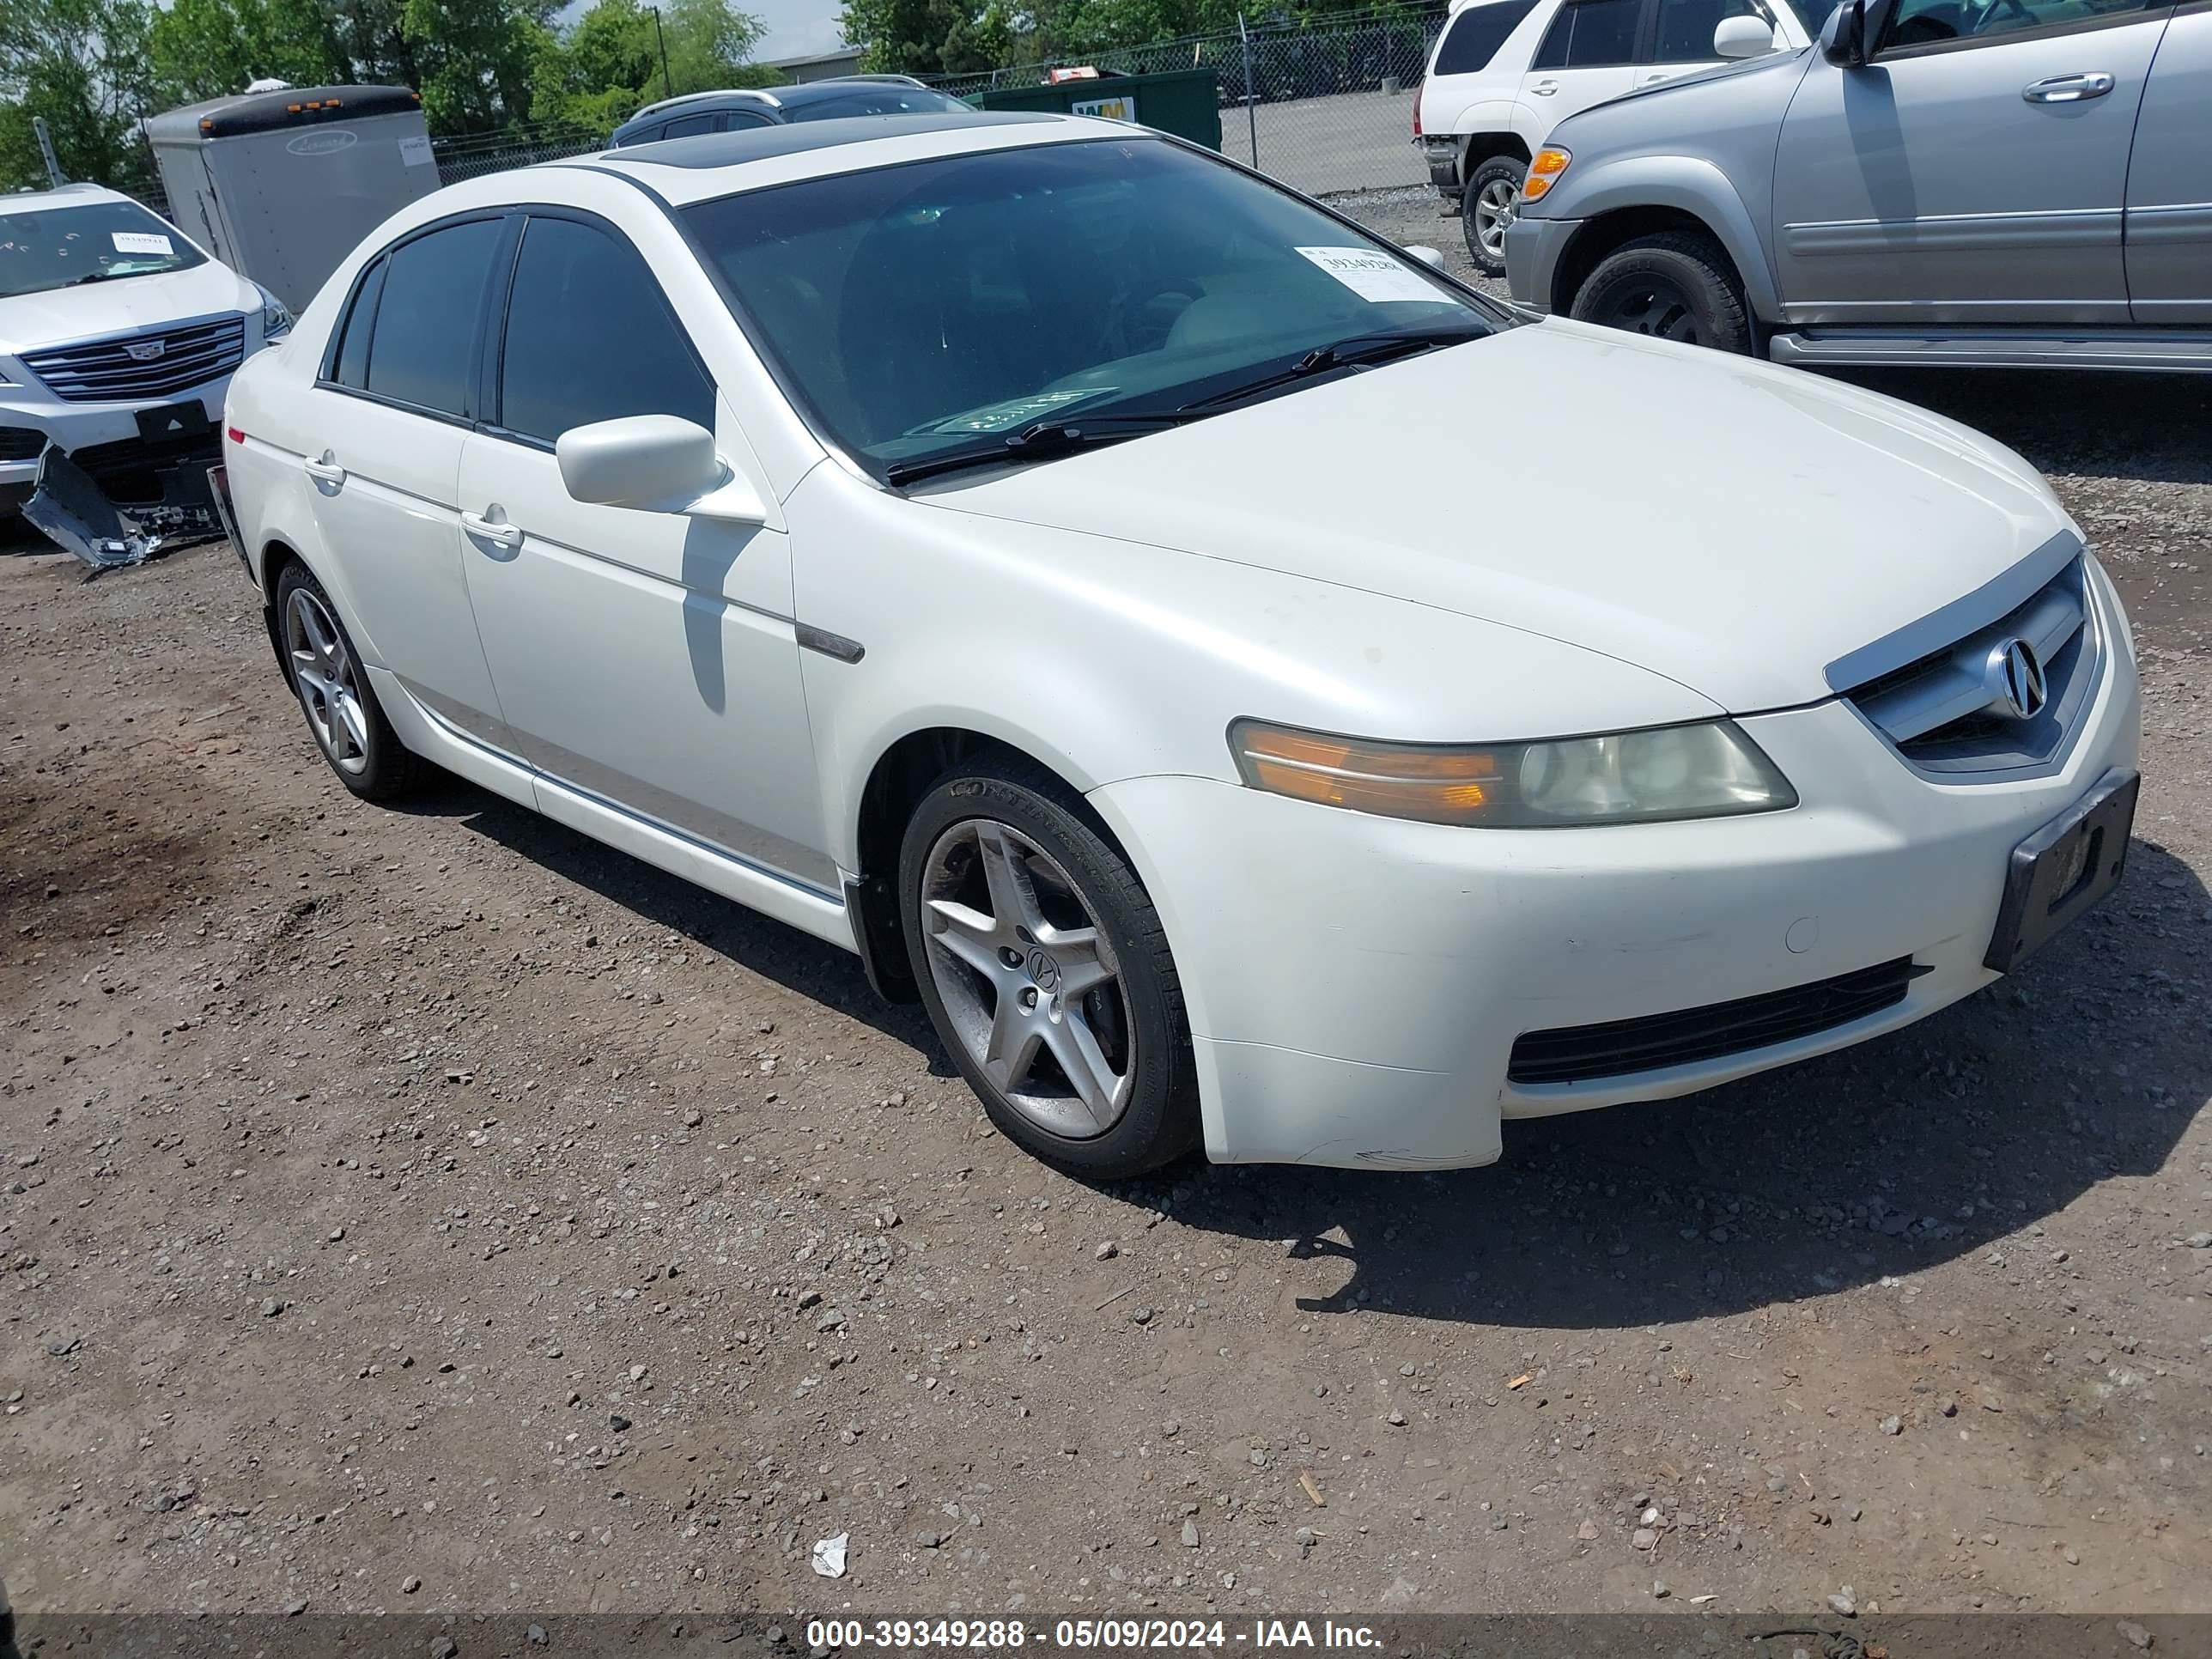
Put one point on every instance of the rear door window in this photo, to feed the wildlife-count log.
(426, 316)
(1476, 33)
(1591, 34)
(690, 126)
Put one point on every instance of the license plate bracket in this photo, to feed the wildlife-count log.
(168, 423)
(2061, 871)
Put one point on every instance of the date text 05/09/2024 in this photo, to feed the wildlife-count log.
(996, 1635)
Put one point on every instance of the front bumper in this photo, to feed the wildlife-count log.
(1356, 984)
(1533, 248)
(105, 439)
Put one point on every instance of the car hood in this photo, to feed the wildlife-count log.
(1732, 526)
(30, 322)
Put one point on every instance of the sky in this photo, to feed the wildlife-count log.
(796, 27)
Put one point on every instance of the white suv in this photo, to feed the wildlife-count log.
(118, 337)
(1503, 73)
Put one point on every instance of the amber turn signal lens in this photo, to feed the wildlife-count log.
(1543, 172)
(1400, 780)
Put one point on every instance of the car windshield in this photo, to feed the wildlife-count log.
(876, 101)
(919, 309)
(99, 241)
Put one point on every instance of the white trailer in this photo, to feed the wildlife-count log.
(280, 186)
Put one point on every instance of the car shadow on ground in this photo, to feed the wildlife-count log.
(1917, 1148)
(1914, 1149)
(796, 961)
(2148, 429)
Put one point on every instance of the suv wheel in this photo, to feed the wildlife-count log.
(1047, 973)
(1672, 287)
(1492, 197)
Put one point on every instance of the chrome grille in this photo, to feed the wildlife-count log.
(103, 371)
(1954, 710)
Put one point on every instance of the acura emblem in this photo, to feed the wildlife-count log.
(2021, 680)
(144, 351)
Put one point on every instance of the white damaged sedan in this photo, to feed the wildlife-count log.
(1021, 550)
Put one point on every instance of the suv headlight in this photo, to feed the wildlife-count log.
(276, 316)
(1650, 776)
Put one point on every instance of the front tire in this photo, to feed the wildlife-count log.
(1673, 286)
(1491, 198)
(327, 675)
(1047, 973)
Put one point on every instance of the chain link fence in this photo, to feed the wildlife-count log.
(516, 146)
(1327, 109)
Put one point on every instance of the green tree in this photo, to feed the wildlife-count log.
(81, 66)
(370, 39)
(608, 63)
(474, 59)
(206, 48)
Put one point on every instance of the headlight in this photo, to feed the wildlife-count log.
(1663, 772)
(275, 318)
(1544, 171)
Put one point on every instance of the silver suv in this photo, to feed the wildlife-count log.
(2005, 182)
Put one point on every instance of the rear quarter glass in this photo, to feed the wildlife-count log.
(1472, 38)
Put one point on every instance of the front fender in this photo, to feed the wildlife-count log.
(1687, 184)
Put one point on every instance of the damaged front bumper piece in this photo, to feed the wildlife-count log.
(75, 512)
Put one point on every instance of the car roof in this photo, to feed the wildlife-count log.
(686, 170)
(40, 201)
(791, 97)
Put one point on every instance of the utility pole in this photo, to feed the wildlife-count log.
(1251, 92)
(46, 151)
(666, 90)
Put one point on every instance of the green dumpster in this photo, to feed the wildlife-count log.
(1186, 102)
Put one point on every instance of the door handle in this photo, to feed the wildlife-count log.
(1545, 89)
(2068, 89)
(498, 531)
(325, 470)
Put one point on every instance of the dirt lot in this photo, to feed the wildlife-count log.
(430, 1209)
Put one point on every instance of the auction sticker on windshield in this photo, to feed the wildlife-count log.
(139, 241)
(1371, 275)
(1019, 411)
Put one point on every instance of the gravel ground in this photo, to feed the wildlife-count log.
(430, 1209)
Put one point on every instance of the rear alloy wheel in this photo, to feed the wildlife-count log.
(334, 692)
(1671, 287)
(1047, 973)
(1491, 198)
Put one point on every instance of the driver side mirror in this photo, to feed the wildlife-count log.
(1743, 37)
(1843, 41)
(655, 464)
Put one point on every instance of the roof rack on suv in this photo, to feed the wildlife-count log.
(695, 97)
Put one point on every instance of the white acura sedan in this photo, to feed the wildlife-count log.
(1021, 550)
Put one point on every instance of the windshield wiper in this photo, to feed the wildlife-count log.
(1361, 351)
(1042, 440)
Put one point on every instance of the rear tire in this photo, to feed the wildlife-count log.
(1677, 285)
(1031, 939)
(1487, 206)
(327, 675)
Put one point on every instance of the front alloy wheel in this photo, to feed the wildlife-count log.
(1046, 972)
(1030, 985)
